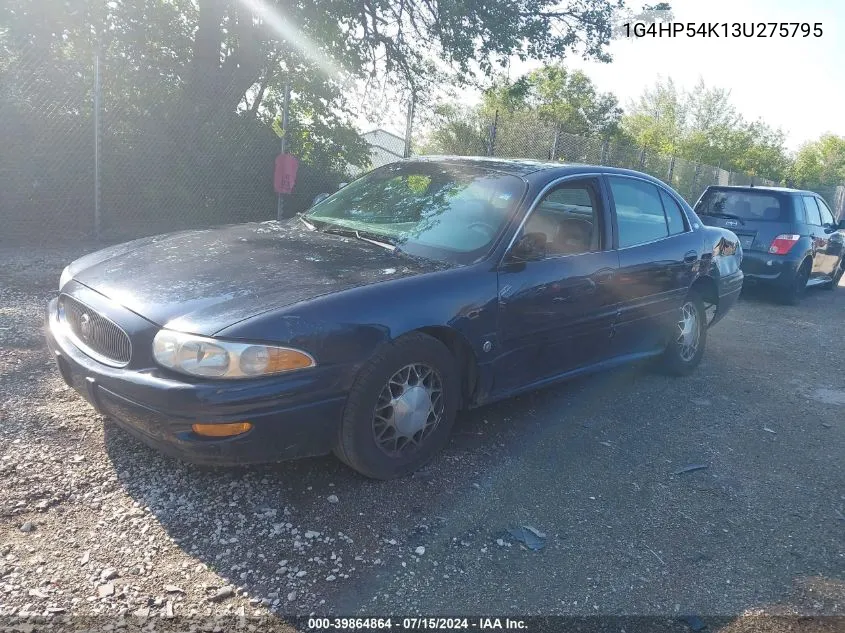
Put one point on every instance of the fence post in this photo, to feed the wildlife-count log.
(671, 169)
(491, 135)
(604, 148)
(642, 158)
(556, 141)
(409, 124)
(280, 208)
(97, 218)
(717, 173)
(694, 178)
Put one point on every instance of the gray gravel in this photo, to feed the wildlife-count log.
(92, 522)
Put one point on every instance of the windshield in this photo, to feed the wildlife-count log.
(442, 211)
(743, 205)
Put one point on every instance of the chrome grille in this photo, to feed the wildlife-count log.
(94, 334)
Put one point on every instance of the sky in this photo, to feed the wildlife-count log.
(795, 84)
(761, 73)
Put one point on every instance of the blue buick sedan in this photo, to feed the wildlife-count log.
(364, 325)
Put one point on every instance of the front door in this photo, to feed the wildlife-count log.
(819, 237)
(556, 313)
(833, 239)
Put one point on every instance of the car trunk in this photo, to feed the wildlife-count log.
(756, 217)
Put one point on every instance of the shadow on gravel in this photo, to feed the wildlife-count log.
(261, 527)
(601, 465)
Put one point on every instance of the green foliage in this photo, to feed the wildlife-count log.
(820, 164)
(457, 131)
(703, 125)
(558, 96)
(548, 98)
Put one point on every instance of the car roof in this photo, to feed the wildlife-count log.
(762, 188)
(523, 167)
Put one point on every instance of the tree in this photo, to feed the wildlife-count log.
(820, 163)
(703, 126)
(457, 131)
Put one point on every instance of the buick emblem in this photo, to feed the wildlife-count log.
(85, 326)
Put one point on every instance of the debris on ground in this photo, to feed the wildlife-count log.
(768, 430)
(221, 594)
(690, 468)
(530, 537)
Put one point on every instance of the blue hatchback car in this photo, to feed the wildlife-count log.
(790, 238)
(362, 326)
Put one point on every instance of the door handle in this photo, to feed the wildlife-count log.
(690, 257)
(602, 276)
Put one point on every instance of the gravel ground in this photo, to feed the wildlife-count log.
(94, 524)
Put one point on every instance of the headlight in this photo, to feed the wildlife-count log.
(201, 356)
(65, 277)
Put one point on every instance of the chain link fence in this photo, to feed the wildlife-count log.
(533, 139)
(97, 147)
(90, 151)
(541, 141)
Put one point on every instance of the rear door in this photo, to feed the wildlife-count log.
(757, 216)
(821, 266)
(659, 256)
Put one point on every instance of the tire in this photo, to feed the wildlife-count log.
(837, 276)
(678, 359)
(374, 439)
(792, 294)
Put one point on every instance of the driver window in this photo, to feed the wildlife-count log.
(827, 216)
(568, 217)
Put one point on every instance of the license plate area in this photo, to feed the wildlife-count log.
(746, 240)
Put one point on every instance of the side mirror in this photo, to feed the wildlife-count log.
(530, 247)
(319, 198)
(841, 224)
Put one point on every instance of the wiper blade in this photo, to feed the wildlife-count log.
(730, 216)
(337, 230)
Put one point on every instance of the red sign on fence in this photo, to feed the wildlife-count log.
(284, 177)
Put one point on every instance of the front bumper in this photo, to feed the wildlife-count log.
(292, 416)
(764, 268)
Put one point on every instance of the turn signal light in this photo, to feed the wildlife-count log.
(782, 244)
(226, 429)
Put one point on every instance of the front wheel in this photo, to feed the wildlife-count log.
(400, 409)
(688, 338)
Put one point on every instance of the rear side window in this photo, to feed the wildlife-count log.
(813, 216)
(674, 215)
(639, 211)
(744, 205)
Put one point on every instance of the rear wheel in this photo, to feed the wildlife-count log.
(688, 339)
(837, 276)
(794, 292)
(401, 408)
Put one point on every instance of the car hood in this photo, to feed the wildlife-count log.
(203, 281)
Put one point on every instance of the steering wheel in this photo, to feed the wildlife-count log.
(487, 228)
